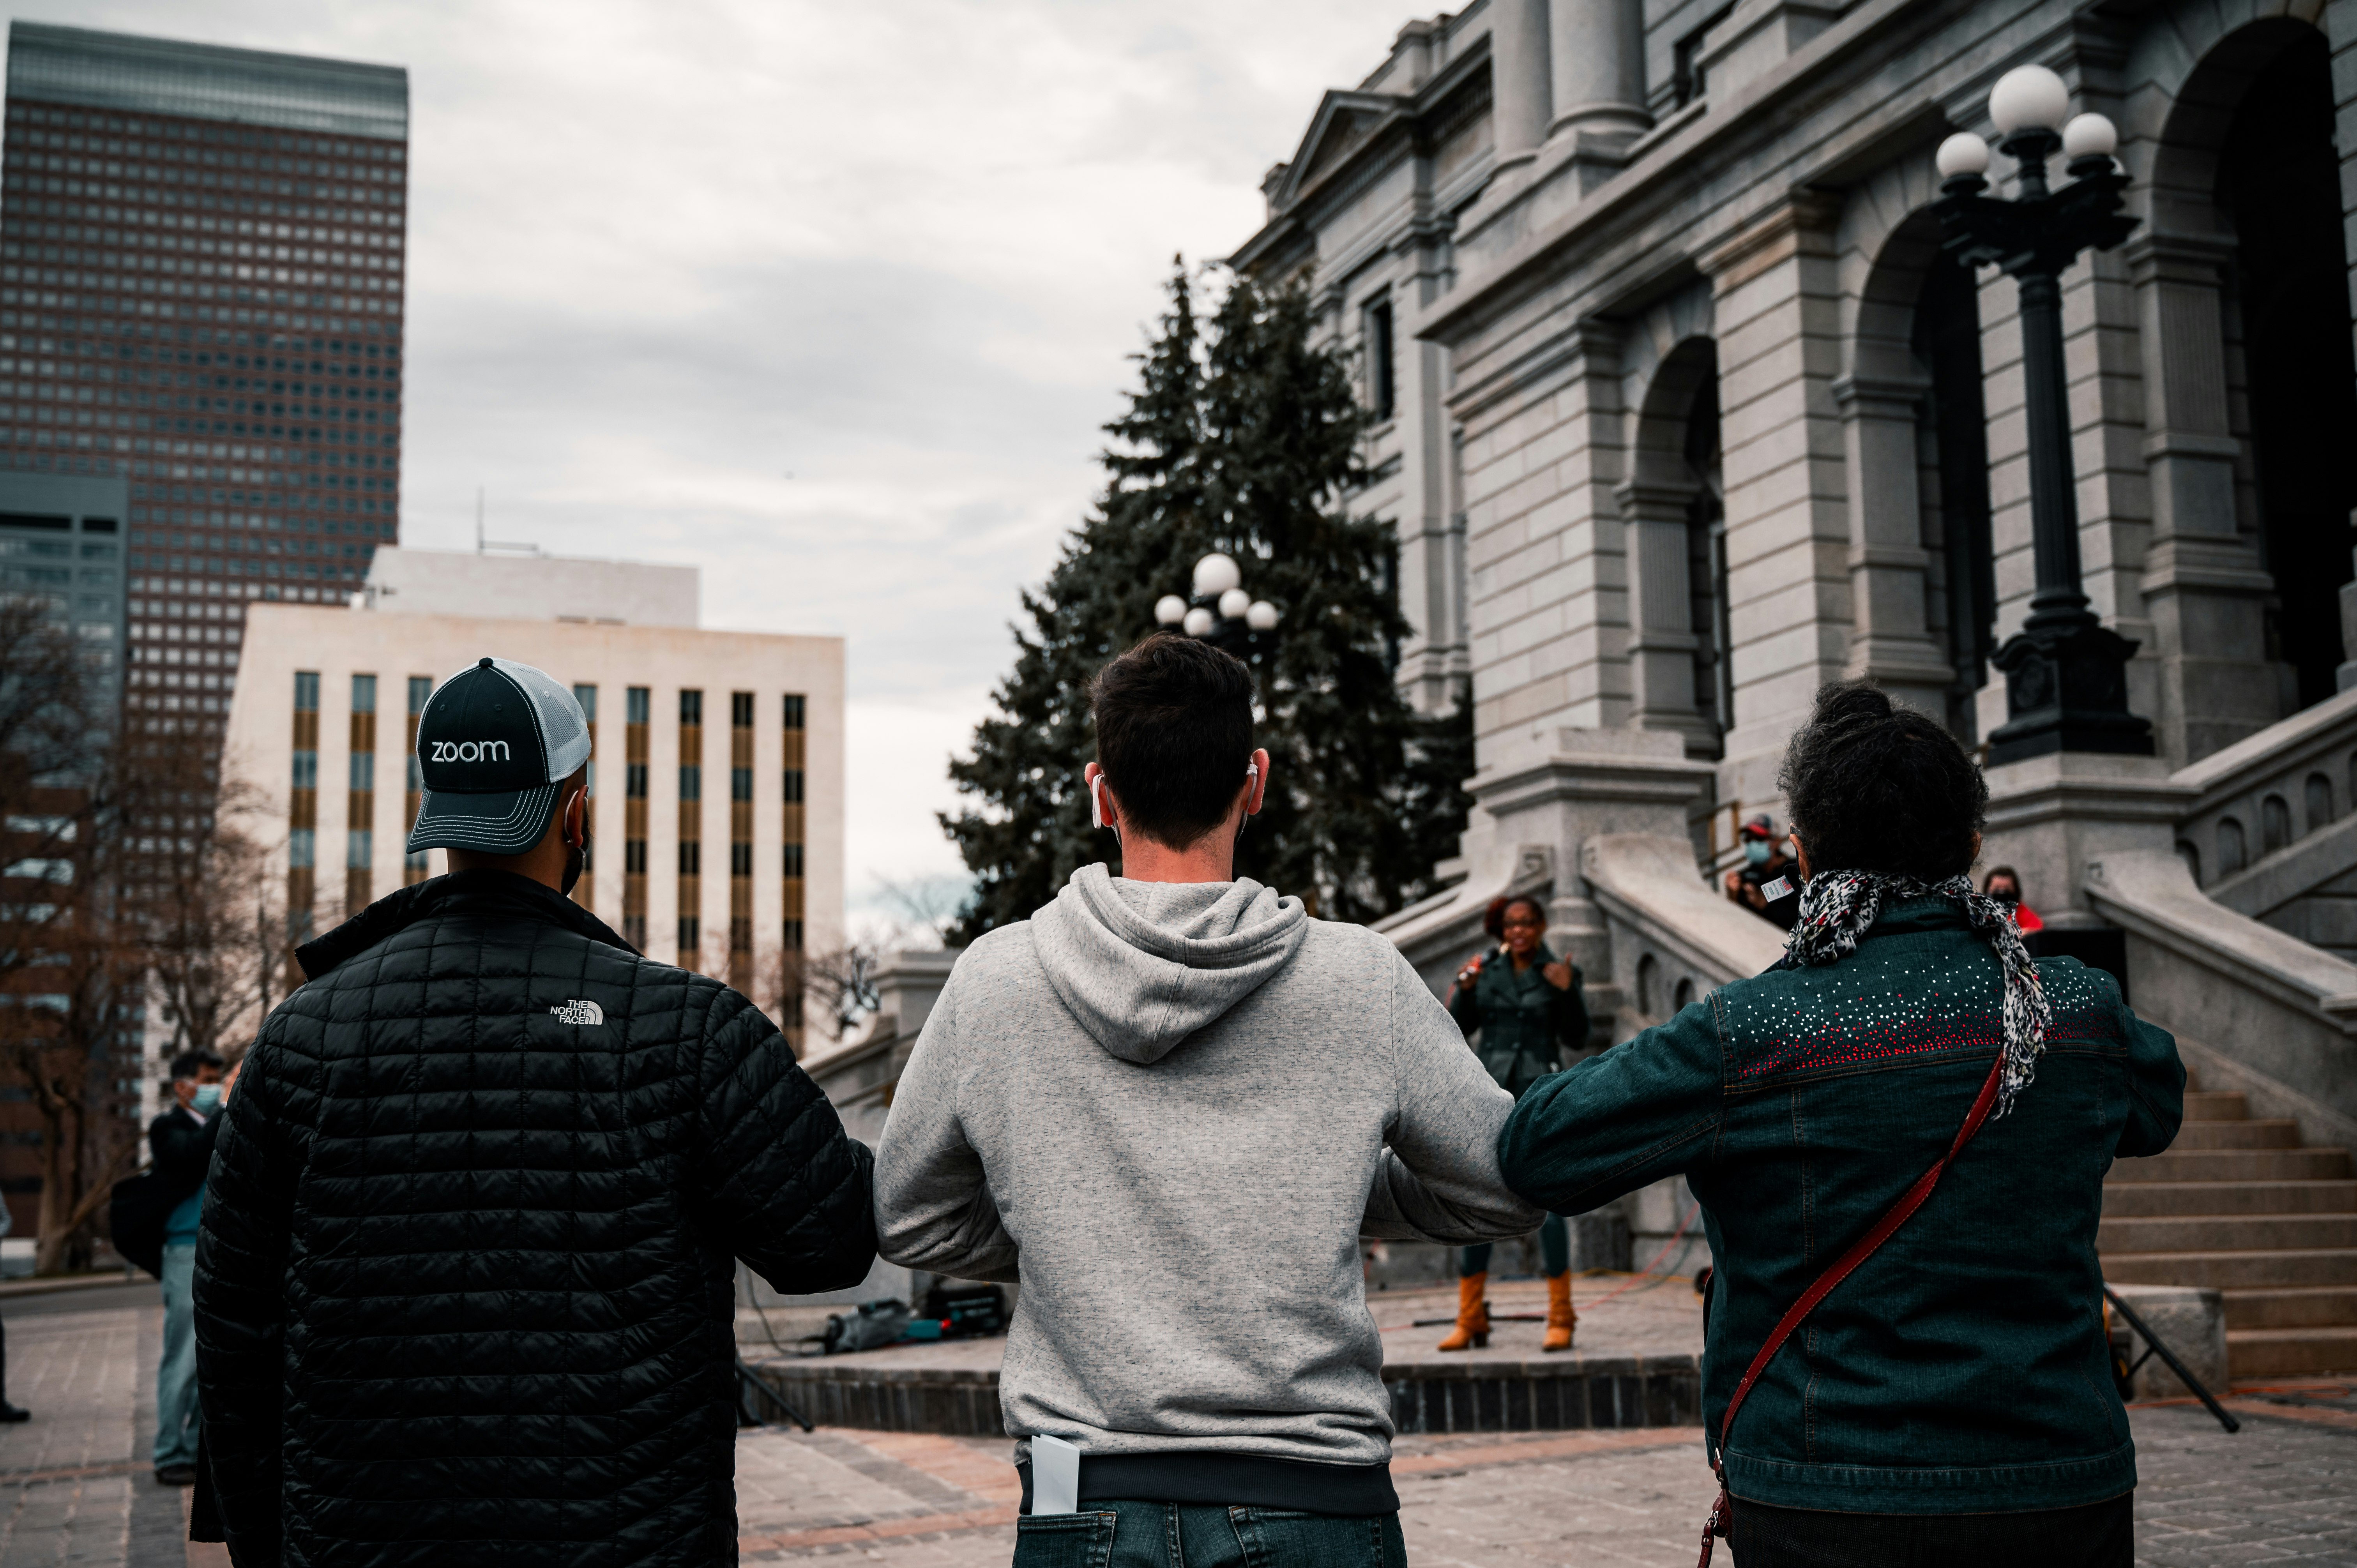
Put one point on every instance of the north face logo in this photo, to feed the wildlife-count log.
(578, 1012)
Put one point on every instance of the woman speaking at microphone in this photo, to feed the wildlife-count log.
(1520, 1005)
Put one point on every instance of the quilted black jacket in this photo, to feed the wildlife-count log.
(465, 1288)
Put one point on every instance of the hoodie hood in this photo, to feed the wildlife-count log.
(1142, 966)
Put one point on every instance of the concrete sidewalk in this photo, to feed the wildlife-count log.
(75, 1486)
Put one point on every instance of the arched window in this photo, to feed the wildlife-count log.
(2232, 854)
(1683, 997)
(1649, 983)
(2320, 801)
(2275, 824)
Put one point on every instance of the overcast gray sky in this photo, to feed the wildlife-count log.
(663, 256)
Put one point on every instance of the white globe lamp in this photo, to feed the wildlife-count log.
(1198, 622)
(1962, 154)
(2028, 98)
(2090, 137)
(1169, 609)
(1233, 604)
(1261, 616)
(1216, 574)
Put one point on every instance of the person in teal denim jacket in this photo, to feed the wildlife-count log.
(1952, 1399)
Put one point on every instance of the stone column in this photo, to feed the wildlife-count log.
(1662, 634)
(1599, 52)
(2204, 584)
(1890, 640)
(1776, 284)
(1521, 95)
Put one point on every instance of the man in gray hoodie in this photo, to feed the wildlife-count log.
(1170, 1103)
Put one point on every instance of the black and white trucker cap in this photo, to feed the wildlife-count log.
(493, 746)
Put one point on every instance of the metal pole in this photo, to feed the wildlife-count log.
(2053, 497)
(2168, 1359)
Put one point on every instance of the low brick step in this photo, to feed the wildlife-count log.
(2218, 1106)
(2234, 1165)
(2270, 1133)
(2284, 1352)
(2217, 1232)
(2141, 1199)
(2236, 1270)
(2294, 1306)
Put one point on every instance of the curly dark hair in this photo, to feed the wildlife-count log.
(1493, 918)
(1872, 786)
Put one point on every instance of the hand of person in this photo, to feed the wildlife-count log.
(1470, 974)
(1558, 974)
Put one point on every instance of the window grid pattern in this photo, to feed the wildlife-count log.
(634, 816)
(740, 841)
(793, 733)
(413, 800)
(360, 798)
(584, 892)
(303, 813)
(691, 830)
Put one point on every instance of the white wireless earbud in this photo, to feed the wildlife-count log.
(1096, 801)
(1251, 771)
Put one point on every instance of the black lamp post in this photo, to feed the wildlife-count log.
(1221, 613)
(2066, 672)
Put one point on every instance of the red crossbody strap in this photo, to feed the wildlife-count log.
(1862, 1249)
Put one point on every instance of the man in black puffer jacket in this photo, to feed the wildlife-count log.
(465, 1286)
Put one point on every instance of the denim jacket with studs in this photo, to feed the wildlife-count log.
(1962, 1368)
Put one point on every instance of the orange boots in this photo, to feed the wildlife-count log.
(1561, 1319)
(1472, 1314)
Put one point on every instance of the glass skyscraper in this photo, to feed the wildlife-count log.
(200, 295)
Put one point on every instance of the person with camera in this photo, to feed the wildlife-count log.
(1522, 1008)
(1898, 1135)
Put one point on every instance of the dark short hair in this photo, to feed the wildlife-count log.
(1872, 786)
(188, 1064)
(2009, 873)
(1174, 720)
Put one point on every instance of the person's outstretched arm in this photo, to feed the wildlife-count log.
(777, 1177)
(934, 1207)
(241, 1297)
(1440, 1179)
(1648, 1108)
(2155, 1086)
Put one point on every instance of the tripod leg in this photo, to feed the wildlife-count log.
(2168, 1359)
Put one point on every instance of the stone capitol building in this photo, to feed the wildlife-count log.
(1682, 411)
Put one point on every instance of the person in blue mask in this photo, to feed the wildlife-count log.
(1768, 882)
(181, 1142)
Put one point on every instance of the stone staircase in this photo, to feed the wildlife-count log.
(2238, 1204)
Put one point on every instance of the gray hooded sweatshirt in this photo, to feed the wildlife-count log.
(1171, 1110)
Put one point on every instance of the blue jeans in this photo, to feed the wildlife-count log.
(1555, 1252)
(1183, 1535)
(178, 1419)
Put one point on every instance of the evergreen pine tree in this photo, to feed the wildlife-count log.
(1242, 439)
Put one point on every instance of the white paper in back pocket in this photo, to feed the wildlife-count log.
(1055, 1477)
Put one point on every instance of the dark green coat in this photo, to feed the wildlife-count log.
(1962, 1368)
(1522, 1023)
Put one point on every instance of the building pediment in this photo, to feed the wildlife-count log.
(1345, 122)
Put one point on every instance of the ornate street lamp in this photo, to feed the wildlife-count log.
(2066, 672)
(1221, 613)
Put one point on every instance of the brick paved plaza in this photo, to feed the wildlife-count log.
(75, 1486)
